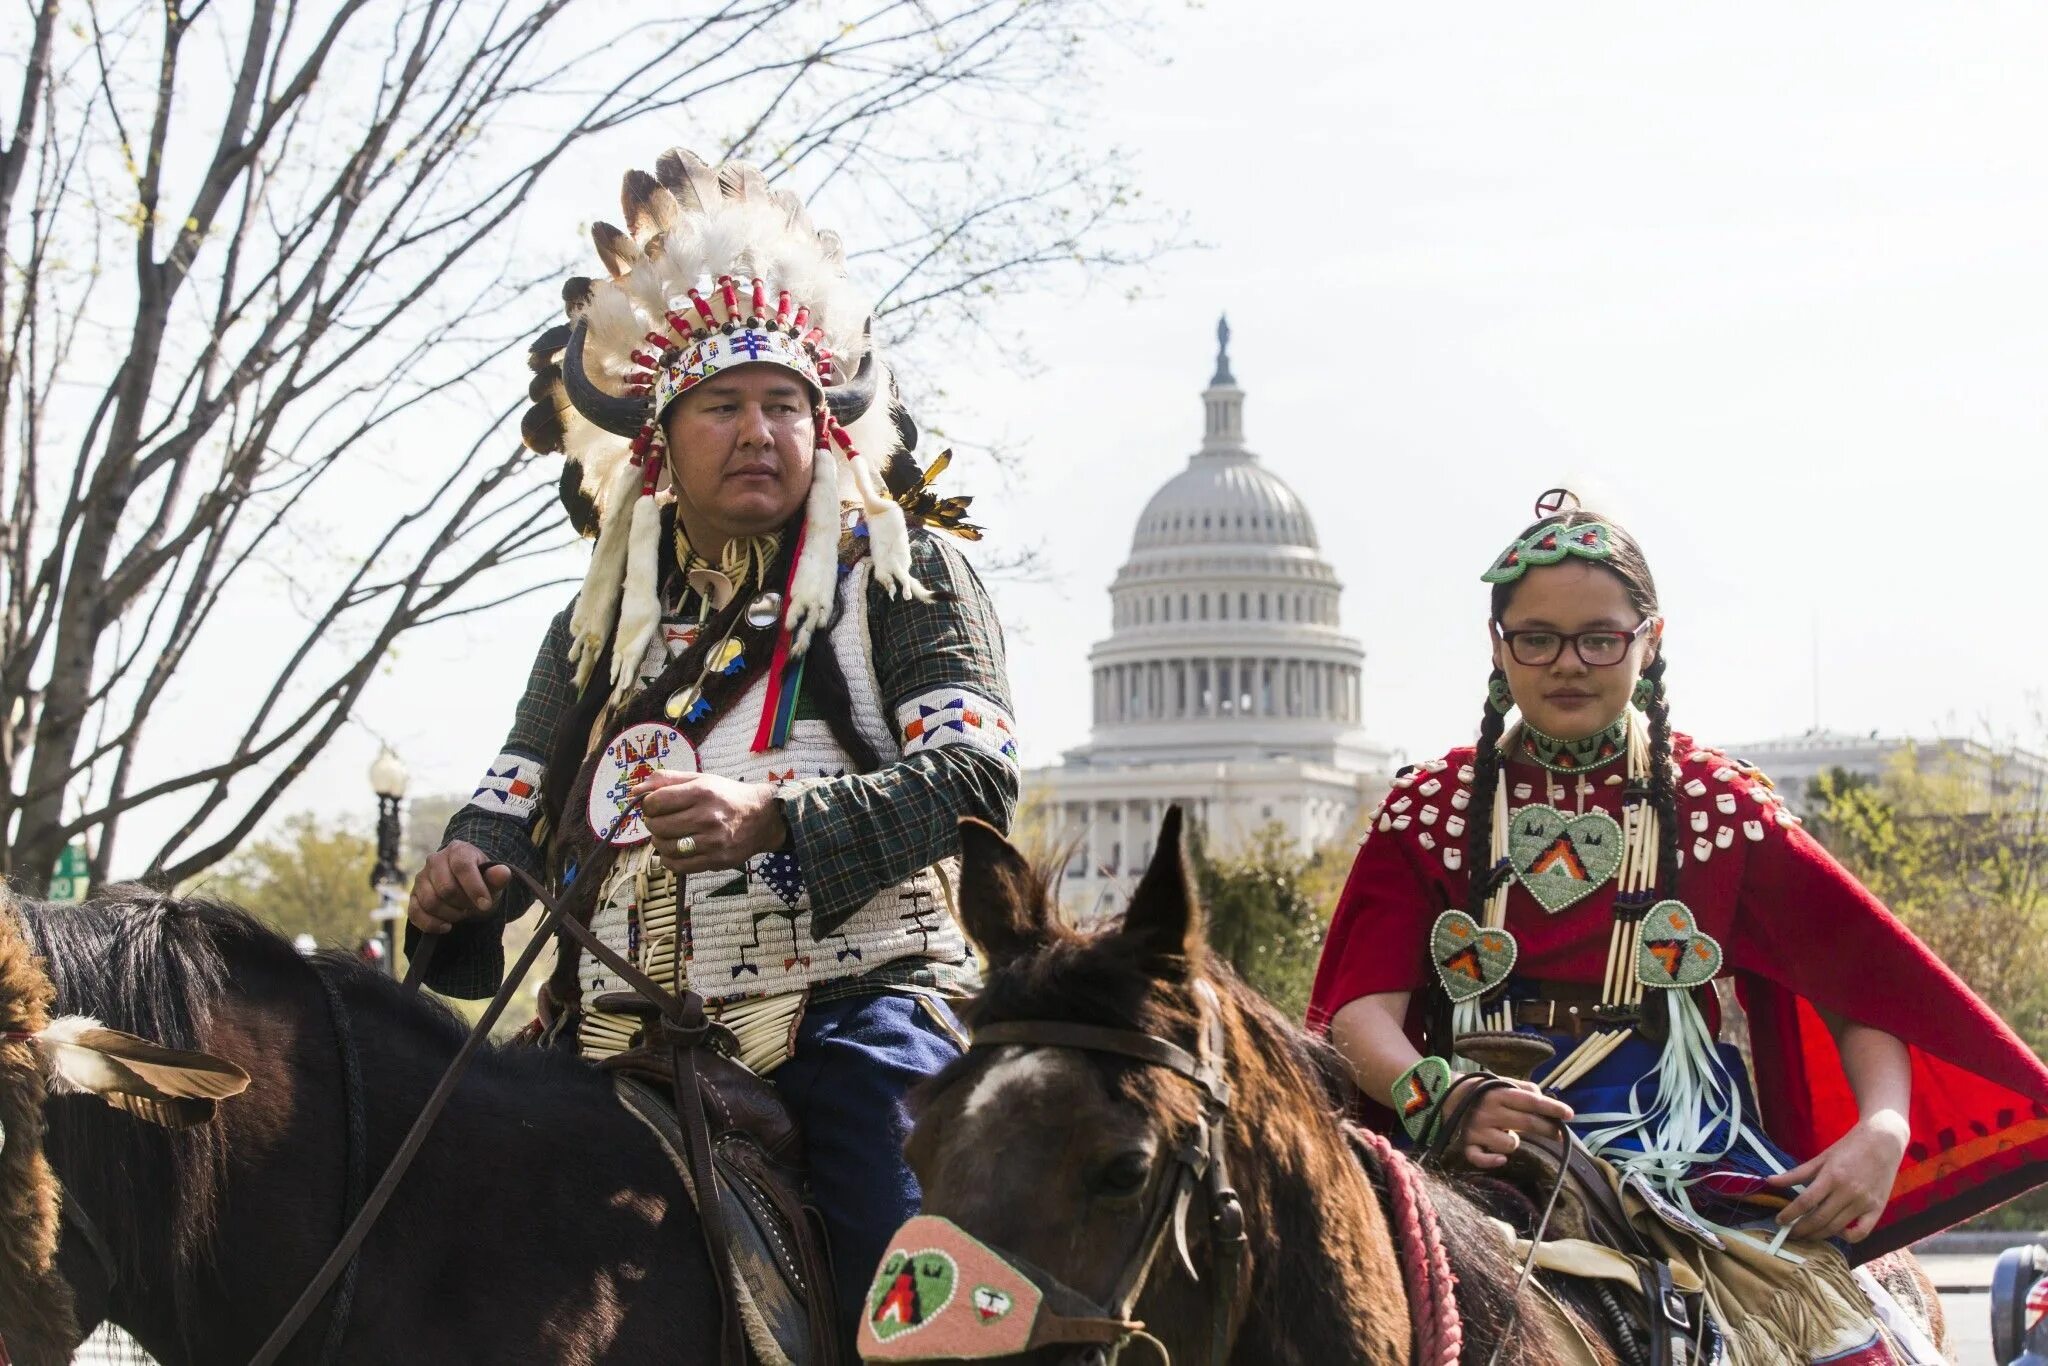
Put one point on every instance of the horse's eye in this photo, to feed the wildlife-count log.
(1124, 1175)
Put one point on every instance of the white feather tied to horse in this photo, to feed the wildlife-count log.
(174, 1087)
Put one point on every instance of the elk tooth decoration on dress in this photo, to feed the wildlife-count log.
(714, 269)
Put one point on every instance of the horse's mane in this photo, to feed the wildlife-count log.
(137, 960)
(1099, 978)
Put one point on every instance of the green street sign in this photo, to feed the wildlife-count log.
(68, 881)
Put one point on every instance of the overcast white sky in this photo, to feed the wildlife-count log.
(1768, 282)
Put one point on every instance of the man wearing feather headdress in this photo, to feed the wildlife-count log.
(745, 748)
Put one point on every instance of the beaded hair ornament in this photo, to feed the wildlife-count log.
(1548, 545)
(713, 270)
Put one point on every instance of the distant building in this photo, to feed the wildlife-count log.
(1795, 761)
(1226, 685)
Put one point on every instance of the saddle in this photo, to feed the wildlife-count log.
(1572, 1207)
(768, 1242)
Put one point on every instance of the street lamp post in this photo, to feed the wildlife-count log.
(387, 780)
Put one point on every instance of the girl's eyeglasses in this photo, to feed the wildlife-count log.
(1598, 649)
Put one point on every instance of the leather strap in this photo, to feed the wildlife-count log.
(1567, 1141)
(685, 1017)
(1455, 1111)
(73, 1213)
(373, 1205)
(685, 1028)
(710, 1205)
(416, 970)
(1101, 1039)
(1202, 1157)
(1574, 1018)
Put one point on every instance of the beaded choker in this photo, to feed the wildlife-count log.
(1574, 756)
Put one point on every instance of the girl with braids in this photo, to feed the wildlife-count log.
(1557, 902)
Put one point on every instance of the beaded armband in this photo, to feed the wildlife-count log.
(1418, 1095)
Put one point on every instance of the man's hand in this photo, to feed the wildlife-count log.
(703, 822)
(1503, 1115)
(1848, 1185)
(457, 884)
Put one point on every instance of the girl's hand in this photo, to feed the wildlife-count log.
(1847, 1186)
(1502, 1116)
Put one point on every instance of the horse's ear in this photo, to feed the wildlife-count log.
(1165, 918)
(1004, 904)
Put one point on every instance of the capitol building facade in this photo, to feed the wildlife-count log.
(1226, 685)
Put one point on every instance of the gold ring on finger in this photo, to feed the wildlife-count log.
(686, 846)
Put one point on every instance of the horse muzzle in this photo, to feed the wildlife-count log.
(942, 1294)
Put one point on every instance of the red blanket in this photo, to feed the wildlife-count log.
(1798, 933)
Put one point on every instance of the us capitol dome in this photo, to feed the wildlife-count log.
(1226, 684)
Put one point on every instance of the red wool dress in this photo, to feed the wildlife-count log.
(1797, 933)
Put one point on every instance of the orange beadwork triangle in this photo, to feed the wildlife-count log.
(1669, 952)
(1560, 857)
(1418, 1098)
(1465, 963)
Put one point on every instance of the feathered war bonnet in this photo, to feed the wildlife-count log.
(714, 270)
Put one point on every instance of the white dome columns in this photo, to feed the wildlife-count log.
(1225, 684)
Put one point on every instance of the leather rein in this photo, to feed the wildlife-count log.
(684, 1027)
(1200, 1159)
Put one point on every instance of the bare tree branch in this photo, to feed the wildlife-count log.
(261, 262)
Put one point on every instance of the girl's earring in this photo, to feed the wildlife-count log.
(1644, 694)
(1497, 695)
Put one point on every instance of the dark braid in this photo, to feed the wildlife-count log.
(1662, 797)
(827, 683)
(1486, 767)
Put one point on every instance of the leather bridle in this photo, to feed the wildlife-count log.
(1200, 1159)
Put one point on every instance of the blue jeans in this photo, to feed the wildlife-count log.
(855, 1061)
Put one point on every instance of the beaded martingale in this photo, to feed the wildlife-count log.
(1573, 756)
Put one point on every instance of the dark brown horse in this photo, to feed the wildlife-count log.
(540, 1223)
(1050, 1153)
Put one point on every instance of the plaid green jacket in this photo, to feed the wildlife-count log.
(854, 835)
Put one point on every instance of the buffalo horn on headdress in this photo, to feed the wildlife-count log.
(619, 416)
(851, 398)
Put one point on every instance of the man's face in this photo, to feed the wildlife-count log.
(740, 447)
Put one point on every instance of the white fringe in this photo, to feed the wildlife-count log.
(590, 625)
(640, 603)
(888, 535)
(816, 580)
